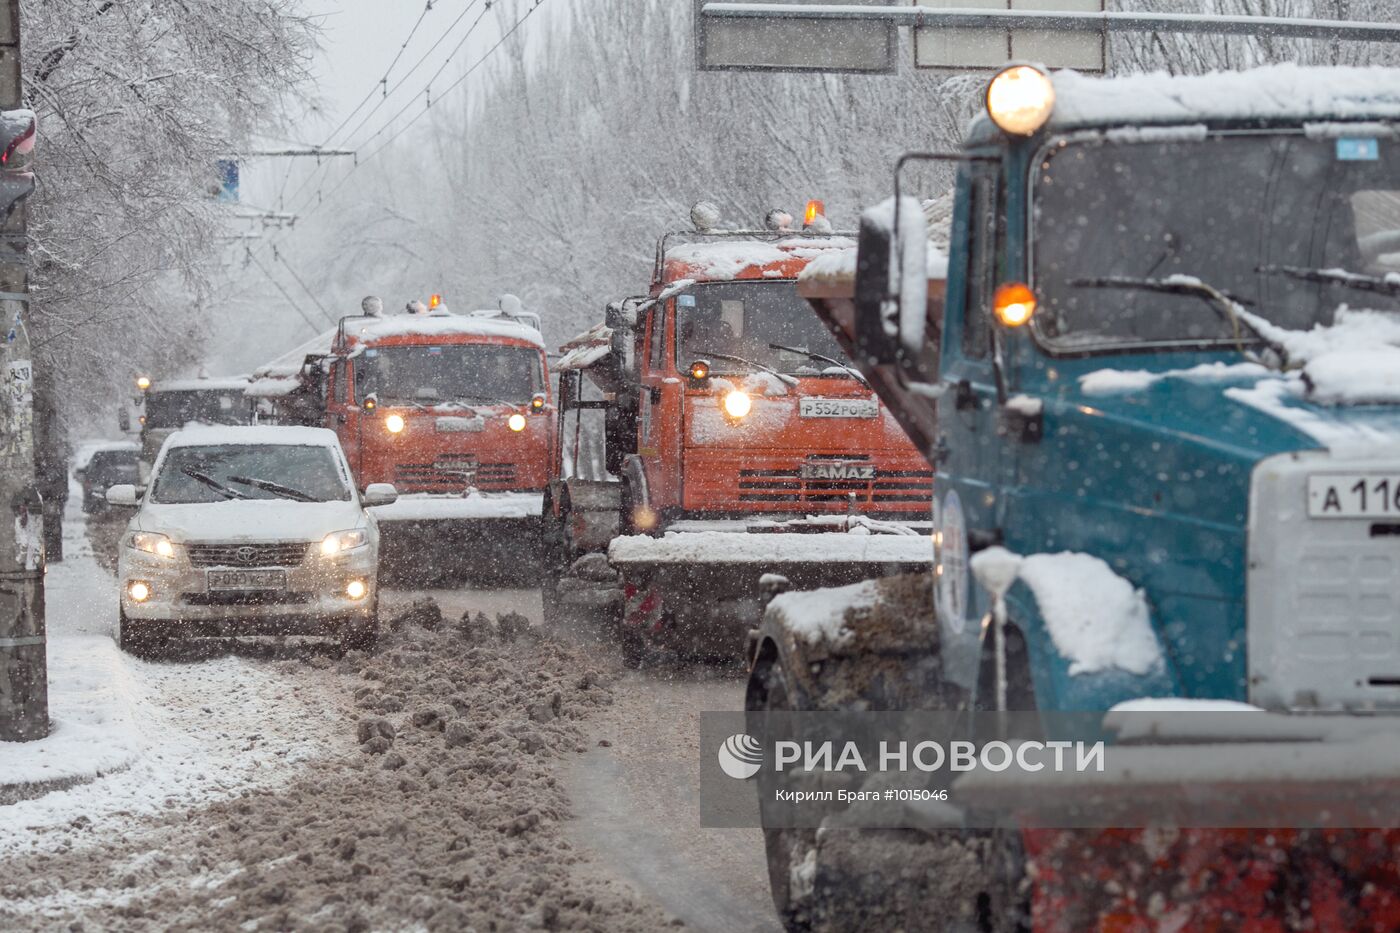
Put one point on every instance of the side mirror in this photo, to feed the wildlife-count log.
(379, 494)
(891, 280)
(125, 495)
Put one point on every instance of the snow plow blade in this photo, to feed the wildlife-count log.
(486, 539)
(703, 591)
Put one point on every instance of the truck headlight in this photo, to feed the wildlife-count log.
(737, 404)
(394, 424)
(1020, 99)
(339, 541)
(516, 422)
(152, 543)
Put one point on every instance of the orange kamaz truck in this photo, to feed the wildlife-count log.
(743, 452)
(455, 411)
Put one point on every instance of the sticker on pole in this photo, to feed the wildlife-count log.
(19, 377)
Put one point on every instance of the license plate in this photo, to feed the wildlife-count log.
(838, 408)
(460, 425)
(837, 470)
(1354, 495)
(247, 580)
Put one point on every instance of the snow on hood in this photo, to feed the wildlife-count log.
(249, 520)
(207, 435)
(1276, 92)
(1096, 619)
(1113, 381)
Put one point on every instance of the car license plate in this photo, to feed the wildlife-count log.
(838, 408)
(247, 580)
(1354, 495)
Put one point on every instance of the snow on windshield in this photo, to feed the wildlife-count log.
(1255, 216)
(248, 471)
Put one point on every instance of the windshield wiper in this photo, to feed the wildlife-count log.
(1382, 285)
(739, 359)
(1228, 307)
(277, 489)
(212, 483)
(824, 359)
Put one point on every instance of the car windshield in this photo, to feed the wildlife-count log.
(216, 473)
(112, 464)
(175, 409)
(458, 372)
(750, 321)
(1248, 214)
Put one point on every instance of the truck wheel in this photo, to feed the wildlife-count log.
(786, 849)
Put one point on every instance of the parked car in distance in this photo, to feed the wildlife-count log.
(111, 464)
(249, 531)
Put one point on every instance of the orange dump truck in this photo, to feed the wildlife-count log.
(744, 454)
(454, 410)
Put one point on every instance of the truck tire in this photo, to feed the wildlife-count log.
(993, 897)
(785, 848)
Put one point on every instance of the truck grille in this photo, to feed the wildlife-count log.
(1322, 597)
(888, 488)
(429, 477)
(274, 554)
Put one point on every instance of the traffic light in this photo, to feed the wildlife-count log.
(18, 132)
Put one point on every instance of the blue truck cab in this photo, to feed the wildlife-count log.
(1160, 389)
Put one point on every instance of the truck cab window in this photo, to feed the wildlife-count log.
(981, 259)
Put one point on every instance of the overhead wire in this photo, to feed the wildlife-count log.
(285, 294)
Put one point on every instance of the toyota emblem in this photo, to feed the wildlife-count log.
(246, 555)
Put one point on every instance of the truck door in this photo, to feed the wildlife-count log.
(969, 459)
(342, 415)
(659, 424)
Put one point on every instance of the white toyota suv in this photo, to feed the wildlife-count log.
(249, 531)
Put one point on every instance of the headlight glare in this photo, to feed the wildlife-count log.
(152, 543)
(394, 424)
(737, 404)
(340, 541)
(516, 422)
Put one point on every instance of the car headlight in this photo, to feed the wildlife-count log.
(151, 543)
(340, 541)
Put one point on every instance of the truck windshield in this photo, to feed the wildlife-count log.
(216, 473)
(455, 372)
(745, 320)
(1249, 214)
(175, 409)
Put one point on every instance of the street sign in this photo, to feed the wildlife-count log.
(964, 49)
(763, 44)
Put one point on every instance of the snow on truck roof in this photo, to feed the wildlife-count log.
(282, 376)
(253, 434)
(215, 384)
(726, 260)
(476, 324)
(1270, 93)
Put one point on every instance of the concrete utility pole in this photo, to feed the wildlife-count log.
(24, 702)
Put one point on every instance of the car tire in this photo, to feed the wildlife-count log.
(361, 635)
(136, 639)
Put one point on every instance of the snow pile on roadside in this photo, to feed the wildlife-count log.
(92, 698)
(438, 808)
(1096, 619)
